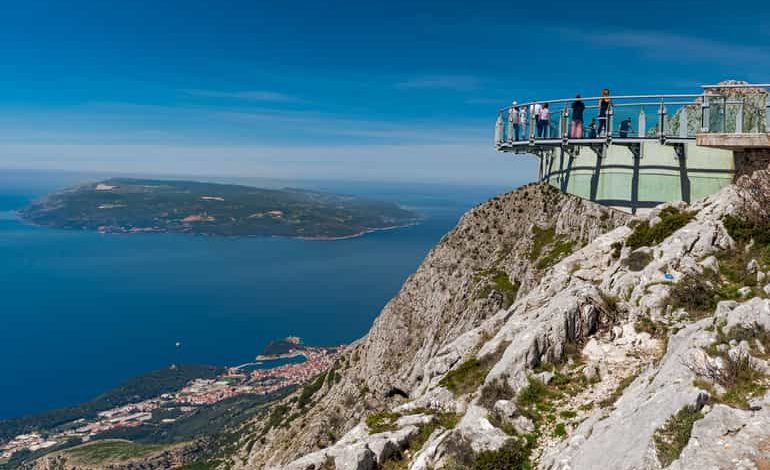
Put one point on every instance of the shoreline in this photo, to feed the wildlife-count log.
(20, 216)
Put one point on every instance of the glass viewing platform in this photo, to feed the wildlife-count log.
(737, 108)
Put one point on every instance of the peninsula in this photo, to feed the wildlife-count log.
(138, 205)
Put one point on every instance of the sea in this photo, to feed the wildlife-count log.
(80, 311)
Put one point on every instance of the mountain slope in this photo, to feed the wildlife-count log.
(497, 253)
(647, 348)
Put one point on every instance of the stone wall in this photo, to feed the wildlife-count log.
(750, 160)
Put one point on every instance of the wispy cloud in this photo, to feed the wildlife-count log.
(446, 82)
(468, 164)
(669, 45)
(254, 95)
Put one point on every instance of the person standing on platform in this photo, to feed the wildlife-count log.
(592, 129)
(604, 106)
(535, 112)
(578, 107)
(513, 122)
(545, 121)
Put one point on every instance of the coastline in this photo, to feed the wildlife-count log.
(275, 357)
(149, 230)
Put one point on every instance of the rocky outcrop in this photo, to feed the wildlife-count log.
(497, 253)
(649, 347)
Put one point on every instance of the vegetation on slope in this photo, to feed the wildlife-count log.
(672, 437)
(140, 388)
(671, 220)
(125, 205)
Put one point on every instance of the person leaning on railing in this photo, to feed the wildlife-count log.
(576, 132)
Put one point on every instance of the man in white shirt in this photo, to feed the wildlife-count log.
(537, 108)
(513, 122)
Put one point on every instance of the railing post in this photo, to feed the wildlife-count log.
(499, 128)
(511, 123)
(767, 114)
(739, 118)
(662, 121)
(532, 129)
(610, 113)
(565, 123)
(723, 115)
(683, 122)
(642, 123)
(705, 113)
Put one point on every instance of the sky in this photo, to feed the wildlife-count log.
(364, 90)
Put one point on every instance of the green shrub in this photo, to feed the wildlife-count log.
(637, 260)
(495, 390)
(514, 455)
(671, 221)
(310, 389)
(560, 430)
(698, 295)
(650, 326)
(673, 436)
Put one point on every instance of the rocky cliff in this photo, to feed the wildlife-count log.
(497, 253)
(614, 343)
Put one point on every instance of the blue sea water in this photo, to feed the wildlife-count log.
(83, 311)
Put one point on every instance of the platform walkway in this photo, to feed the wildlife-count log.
(656, 148)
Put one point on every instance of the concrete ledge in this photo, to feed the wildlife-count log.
(734, 141)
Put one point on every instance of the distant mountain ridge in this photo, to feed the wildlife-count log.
(124, 205)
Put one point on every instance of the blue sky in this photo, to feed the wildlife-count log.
(335, 89)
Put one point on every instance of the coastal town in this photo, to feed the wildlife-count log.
(250, 378)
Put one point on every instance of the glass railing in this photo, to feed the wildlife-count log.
(728, 109)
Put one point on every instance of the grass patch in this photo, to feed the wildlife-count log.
(468, 376)
(646, 235)
(561, 248)
(418, 440)
(542, 237)
(739, 379)
(100, 452)
(673, 436)
(382, 421)
(499, 281)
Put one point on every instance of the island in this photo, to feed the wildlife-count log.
(123, 205)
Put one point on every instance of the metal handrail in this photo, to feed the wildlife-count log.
(611, 97)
